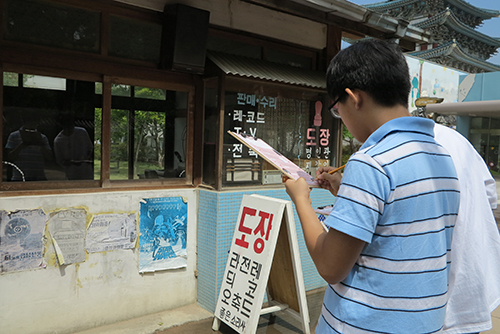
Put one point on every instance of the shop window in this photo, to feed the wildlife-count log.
(148, 133)
(234, 47)
(495, 124)
(287, 58)
(294, 127)
(11, 79)
(259, 49)
(63, 26)
(48, 129)
(53, 130)
(480, 123)
(134, 39)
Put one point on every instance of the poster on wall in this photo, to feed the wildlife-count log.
(163, 233)
(21, 243)
(110, 232)
(67, 232)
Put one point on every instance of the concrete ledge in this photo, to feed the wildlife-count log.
(154, 322)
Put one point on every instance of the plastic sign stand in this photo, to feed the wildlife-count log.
(264, 256)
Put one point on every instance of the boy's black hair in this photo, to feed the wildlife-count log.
(375, 66)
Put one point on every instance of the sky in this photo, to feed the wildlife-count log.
(490, 27)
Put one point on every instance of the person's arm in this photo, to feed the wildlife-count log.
(12, 154)
(334, 253)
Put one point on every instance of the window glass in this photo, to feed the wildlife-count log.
(480, 123)
(10, 79)
(48, 130)
(495, 124)
(148, 133)
(292, 59)
(44, 82)
(134, 39)
(293, 127)
(63, 26)
(492, 152)
(234, 47)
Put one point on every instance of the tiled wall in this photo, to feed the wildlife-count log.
(217, 216)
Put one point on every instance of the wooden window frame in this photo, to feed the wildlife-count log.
(42, 60)
(105, 183)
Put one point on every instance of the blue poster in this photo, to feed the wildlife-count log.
(162, 241)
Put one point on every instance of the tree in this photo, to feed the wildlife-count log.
(352, 144)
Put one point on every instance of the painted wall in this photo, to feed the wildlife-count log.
(432, 80)
(107, 286)
(479, 87)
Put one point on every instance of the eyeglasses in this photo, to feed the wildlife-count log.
(333, 110)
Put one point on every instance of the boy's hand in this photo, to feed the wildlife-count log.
(328, 181)
(298, 190)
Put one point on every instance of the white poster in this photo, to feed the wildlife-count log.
(111, 231)
(21, 239)
(67, 231)
(162, 241)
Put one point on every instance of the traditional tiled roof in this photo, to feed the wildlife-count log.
(449, 19)
(451, 25)
(482, 13)
(453, 55)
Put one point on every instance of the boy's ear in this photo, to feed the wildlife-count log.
(356, 96)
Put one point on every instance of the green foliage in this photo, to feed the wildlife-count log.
(97, 151)
(148, 131)
(349, 145)
(119, 151)
(12, 79)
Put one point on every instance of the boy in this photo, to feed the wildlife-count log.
(385, 255)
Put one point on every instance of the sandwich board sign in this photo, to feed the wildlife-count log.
(264, 257)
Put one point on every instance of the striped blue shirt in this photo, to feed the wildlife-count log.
(400, 195)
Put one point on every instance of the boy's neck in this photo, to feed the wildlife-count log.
(375, 115)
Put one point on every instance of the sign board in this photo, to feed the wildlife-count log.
(264, 256)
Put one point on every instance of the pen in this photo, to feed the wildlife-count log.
(336, 169)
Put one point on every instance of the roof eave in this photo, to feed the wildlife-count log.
(359, 14)
(454, 50)
(479, 12)
(449, 19)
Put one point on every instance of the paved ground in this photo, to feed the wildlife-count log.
(281, 323)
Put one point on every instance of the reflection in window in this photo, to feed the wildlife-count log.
(44, 82)
(11, 79)
(48, 129)
(135, 39)
(288, 58)
(25, 17)
(148, 133)
(285, 124)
